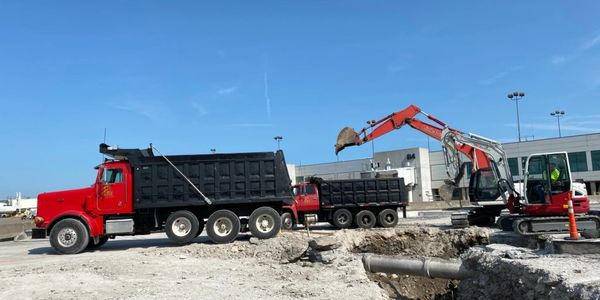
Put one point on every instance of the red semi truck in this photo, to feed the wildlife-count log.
(136, 192)
(364, 203)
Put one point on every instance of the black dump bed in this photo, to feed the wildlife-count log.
(223, 178)
(361, 192)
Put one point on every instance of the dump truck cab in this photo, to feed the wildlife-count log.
(113, 188)
(306, 196)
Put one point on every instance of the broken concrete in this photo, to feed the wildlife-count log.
(324, 243)
(582, 246)
(506, 272)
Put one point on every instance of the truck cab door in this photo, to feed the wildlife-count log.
(311, 197)
(111, 191)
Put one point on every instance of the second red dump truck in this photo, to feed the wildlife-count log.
(137, 192)
(363, 203)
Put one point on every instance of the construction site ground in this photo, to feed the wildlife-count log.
(152, 267)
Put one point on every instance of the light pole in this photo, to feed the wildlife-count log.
(278, 139)
(372, 142)
(558, 114)
(517, 96)
(213, 150)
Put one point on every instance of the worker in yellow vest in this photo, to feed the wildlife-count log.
(554, 173)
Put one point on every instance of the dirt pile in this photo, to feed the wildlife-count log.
(423, 241)
(287, 247)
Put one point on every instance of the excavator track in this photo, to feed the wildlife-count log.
(548, 225)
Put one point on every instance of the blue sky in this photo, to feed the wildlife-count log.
(191, 76)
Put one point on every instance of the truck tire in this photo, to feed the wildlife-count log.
(182, 226)
(264, 222)
(365, 219)
(223, 226)
(387, 218)
(101, 241)
(287, 222)
(342, 218)
(69, 236)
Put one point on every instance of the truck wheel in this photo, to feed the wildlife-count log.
(365, 219)
(222, 226)
(387, 218)
(182, 226)
(101, 241)
(264, 222)
(287, 223)
(69, 236)
(342, 218)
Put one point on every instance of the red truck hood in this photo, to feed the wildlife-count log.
(53, 203)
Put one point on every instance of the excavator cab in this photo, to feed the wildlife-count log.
(547, 176)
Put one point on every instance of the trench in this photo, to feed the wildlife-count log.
(440, 243)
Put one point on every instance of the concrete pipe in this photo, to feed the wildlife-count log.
(425, 266)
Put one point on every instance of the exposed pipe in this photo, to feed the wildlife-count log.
(424, 266)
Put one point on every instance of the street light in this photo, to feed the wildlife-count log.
(558, 114)
(213, 150)
(278, 139)
(372, 142)
(517, 96)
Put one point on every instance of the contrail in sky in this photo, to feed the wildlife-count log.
(267, 98)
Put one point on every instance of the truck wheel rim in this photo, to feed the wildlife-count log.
(223, 226)
(181, 226)
(287, 222)
(389, 218)
(343, 219)
(265, 223)
(67, 237)
(366, 220)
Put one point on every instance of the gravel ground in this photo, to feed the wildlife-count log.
(150, 267)
(286, 267)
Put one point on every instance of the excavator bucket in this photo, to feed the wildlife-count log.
(346, 137)
(446, 190)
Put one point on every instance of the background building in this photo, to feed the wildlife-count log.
(426, 172)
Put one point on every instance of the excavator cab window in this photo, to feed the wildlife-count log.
(483, 186)
(558, 171)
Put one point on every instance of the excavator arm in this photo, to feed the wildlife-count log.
(441, 132)
(348, 137)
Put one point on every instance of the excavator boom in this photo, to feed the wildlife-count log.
(453, 141)
(348, 137)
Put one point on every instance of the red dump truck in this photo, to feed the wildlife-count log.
(136, 192)
(364, 203)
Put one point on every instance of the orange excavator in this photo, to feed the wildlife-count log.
(540, 205)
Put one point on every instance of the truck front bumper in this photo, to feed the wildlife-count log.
(38, 233)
